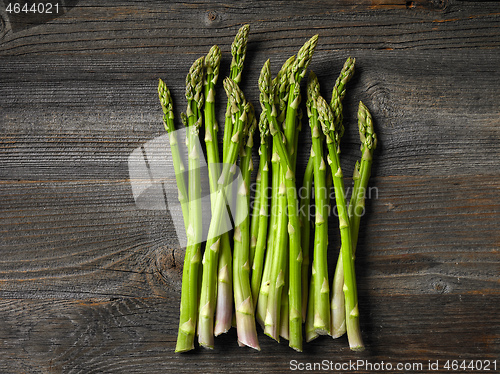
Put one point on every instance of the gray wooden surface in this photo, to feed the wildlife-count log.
(89, 282)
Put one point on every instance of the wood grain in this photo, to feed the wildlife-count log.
(90, 283)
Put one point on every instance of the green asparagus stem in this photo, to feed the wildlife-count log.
(298, 71)
(321, 289)
(238, 51)
(208, 295)
(332, 135)
(223, 314)
(278, 265)
(368, 145)
(168, 121)
(355, 179)
(245, 318)
(212, 64)
(207, 304)
(284, 328)
(338, 92)
(190, 276)
(311, 333)
(295, 295)
(278, 221)
(338, 302)
(254, 222)
(361, 176)
(224, 309)
(305, 235)
(262, 196)
(271, 250)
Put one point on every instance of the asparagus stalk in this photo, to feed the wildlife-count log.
(208, 295)
(279, 262)
(295, 302)
(190, 276)
(337, 302)
(271, 250)
(305, 235)
(224, 284)
(298, 71)
(207, 304)
(311, 333)
(168, 121)
(278, 237)
(262, 196)
(284, 328)
(254, 222)
(332, 135)
(224, 313)
(238, 51)
(245, 318)
(299, 68)
(338, 92)
(275, 259)
(361, 176)
(321, 286)
(212, 64)
(368, 144)
(307, 289)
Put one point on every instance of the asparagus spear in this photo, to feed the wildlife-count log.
(357, 204)
(337, 302)
(213, 241)
(298, 71)
(271, 250)
(368, 144)
(245, 318)
(223, 313)
(224, 284)
(262, 196)
(254, 222)
(295, 302)
(212, 64)
(190, 276)
(306, 230)
(279, 260)
(168, 121)
(321, 289)
(278, 239)
(238, 51)
(332, 135)
(208, 296)
(275, 258)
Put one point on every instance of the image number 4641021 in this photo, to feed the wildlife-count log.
(154, 185)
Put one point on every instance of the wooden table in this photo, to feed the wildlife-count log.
(90, 283)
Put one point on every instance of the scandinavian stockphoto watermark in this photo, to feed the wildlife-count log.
(154, 186)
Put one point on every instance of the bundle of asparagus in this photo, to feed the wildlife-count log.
(265, 274)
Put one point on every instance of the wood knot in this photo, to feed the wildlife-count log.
(410, 5)
(168, 266)
(212, 17)
(440, 287)
(440, 4)
(427, 4)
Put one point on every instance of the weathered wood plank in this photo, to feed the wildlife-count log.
(148, 25)
(88, 239)
(427, 125)
(138, 334)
